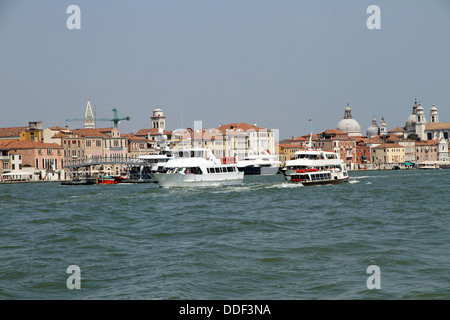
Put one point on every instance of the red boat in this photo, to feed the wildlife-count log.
(110, 180)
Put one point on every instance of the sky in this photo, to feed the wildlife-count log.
(277, 63)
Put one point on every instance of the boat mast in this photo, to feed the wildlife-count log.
(310, 135)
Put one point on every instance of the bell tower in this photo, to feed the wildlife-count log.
(158, 119)
(420, 124)
(434, 116)
(89, 122)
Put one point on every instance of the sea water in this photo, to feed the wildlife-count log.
(264, 239)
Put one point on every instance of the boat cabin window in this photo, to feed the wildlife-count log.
(221, 169)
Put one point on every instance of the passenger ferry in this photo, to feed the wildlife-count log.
(259, 164)
(196, 167)
(314, 166)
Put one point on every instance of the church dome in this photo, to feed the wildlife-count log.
(411, 121)
(348, 124)
(373, 129)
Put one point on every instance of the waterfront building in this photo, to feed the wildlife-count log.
(11, 133)
(230, 142)
(417, 125)
(212, 139)
(427, 150)
(33, 132)
(51, 132)
(388, 154)
(139, 146)
(5, 163)
(106, 144)
(340, 142)
(286, 151)
(44, 160)
(443, 150)
(408, 144)
(348, 124)
(363, 160)
(244, 139)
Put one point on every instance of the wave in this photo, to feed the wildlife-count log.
(285, 185)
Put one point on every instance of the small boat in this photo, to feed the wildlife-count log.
(428, 165)
(110, 180)
(196, 167)
(259, 164)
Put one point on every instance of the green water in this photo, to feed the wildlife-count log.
(265, 239)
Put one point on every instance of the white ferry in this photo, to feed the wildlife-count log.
(196, 167)
(314, 166)
(259, 164)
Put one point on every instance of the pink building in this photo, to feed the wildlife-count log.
(46, 159)
(427, 150)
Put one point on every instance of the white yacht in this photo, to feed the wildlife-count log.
(259, 164)
(196, 167)
(156, 162)
(315, 166)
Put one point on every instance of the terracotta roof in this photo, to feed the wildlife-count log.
(397, 129)
(334, 131)
(97, 132)
(427, 143)
(133, 137)
(25, 144)
(388, 145)
(437, 126)
(152, 131)
(394, 138)
(242, 126)
(11, 132)
(290, 145)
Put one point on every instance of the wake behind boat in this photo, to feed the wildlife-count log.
(196, 167)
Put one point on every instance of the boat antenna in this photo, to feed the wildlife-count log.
(310, 135)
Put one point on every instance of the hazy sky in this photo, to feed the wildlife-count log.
(274, 62)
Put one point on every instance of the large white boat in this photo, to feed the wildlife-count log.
(156, 162)
(315, 166)
(259, 164)
(196, 167)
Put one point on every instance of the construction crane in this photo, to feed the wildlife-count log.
(115, 120)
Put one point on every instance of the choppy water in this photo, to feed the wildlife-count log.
(266, 239)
